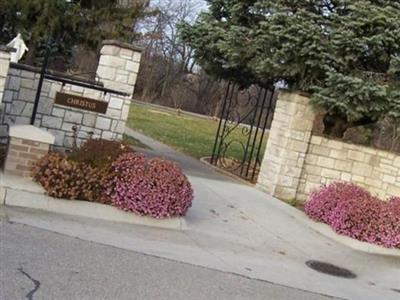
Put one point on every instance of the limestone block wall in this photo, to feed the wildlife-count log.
(297, 162)
(329, 160)
(117, 70)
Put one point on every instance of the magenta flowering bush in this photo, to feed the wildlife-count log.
(352, 211)
(156, 188)
(322, 203)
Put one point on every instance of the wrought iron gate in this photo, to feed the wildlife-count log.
(240, 138)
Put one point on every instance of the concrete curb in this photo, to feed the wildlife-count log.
(327, 231)
(19, 198)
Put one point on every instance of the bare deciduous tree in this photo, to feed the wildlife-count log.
(169, 75)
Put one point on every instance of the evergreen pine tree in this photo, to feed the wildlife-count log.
(84, 23)
(345, 52)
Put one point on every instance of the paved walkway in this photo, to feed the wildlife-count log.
(238, 229)
(191, 166)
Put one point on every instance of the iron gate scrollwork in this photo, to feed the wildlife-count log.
(240, 138)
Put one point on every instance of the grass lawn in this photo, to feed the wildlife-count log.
(185, 133)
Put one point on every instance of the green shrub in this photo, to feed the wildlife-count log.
(99, 153)
(83, 174)
(63, 178)
(110, 173)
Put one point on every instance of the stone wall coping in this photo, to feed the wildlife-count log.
(123, 45)
(31, 133)
(7, 49)
(355, 146)
(37, 70)
(298, 92)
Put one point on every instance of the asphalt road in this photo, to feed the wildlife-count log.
(37, 264)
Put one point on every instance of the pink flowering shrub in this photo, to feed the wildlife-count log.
(156, 188)
(352, 211)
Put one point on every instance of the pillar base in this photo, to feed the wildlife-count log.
(27, 145)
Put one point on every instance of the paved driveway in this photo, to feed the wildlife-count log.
(235, 228)
(38, 264)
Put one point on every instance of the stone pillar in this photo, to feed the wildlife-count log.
(119, 65)
(27, 145)
(287, 146)
(5, 56)
(118, 69)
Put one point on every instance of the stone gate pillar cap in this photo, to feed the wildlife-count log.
(123, 45)
(31, 133)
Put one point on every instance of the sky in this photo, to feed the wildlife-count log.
(202, 4)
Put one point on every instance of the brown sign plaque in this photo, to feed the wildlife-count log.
(81, 102)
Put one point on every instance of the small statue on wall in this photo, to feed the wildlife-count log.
(20, 46)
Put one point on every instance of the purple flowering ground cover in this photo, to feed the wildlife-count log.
(354, 212)
(156, 188)
(123, 178)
